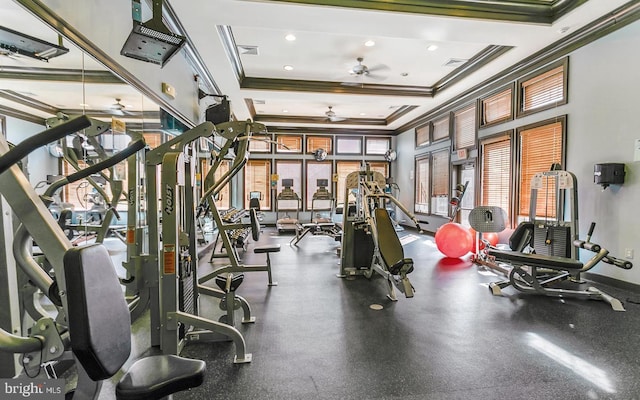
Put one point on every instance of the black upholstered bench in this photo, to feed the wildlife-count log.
(268, 249)
(536, 260)
(100, 330)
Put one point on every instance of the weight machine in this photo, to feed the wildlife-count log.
(91, 306)
(369, 241)
(555, 241)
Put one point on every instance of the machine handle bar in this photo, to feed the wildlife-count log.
(133, 147)
(41, 139)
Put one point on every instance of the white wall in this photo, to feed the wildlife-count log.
(40, 161)
(107, 24)
(604, 122)
(602, 125)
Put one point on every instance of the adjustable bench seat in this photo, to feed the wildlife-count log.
(100, 331)
(536, 260)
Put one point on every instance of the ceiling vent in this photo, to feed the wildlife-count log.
(258, 101)
(248, 50)
(455, 62)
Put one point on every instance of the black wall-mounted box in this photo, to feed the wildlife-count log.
(608, 174)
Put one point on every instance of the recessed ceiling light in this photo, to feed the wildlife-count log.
(369, 43)
(290, 37)
(363, 114)
(564, 29)
(84, 105)
(285, 111)
(432, 47)
(288, 67)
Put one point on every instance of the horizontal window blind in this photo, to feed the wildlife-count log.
(256, 179)
(496, 173)
(318, 142)
(289, 144)
(377, 145)
(344, 168)
(464, 125)
(441, 129)
(422, 186)
(152, 140)
(440, 173)
(259, 144)
(422, 135)
(546, 88)
(540, 147)
(497, 108)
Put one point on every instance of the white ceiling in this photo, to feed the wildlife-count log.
(328, 42)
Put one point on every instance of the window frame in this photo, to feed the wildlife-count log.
(309, 138)
(481, 107)
(447, 185)
(518, 170)
(472, 110)
(266, 204)
(422, 208)
(311, 186)
(367, 152)
(435, 123)
(428, 127)
(337, 145)
(281, 150)
(498, 137)
(564, 63)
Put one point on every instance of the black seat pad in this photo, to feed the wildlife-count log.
(269, 248)
(536, 260)
(158, 376)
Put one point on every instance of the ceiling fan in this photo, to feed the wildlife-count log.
(361, 71)
(332, 116)
(118, 108)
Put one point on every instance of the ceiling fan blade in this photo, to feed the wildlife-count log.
(337, 119)
(116, 111)
(379, 67)
(376, 77)
(356, 84)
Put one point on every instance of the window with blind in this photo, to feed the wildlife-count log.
(496, 108)
(349, 146)
(289, 144)
(256, 179)
(380, 166)
(496, 172)
(344, 168)
(544, 90)
(540, 146)
(422, 186)
(422, 135)
(373, 146)
(440, 182)
(152, 140)
(223, 200)
(319, 142)
(317, 170)
(441, 129)
(289, 169)
(464, 128)
(260, 144)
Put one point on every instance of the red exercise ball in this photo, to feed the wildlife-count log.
(453, 240)
(491, 237)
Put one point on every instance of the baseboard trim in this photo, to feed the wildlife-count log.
(612, 282)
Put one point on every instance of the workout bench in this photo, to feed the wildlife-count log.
(100, 329)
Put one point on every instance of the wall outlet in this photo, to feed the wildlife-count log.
(628, 254)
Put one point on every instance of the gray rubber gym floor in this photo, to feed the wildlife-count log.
(316, 336)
